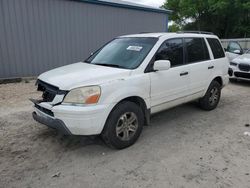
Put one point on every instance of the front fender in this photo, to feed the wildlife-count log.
(115, 91)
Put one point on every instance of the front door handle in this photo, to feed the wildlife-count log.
(183, 73)
(210, 67)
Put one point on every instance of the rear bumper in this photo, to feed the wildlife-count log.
(52, 123)
(225, 80)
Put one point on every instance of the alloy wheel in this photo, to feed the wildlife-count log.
(126, 126)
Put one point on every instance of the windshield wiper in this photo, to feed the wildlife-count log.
(109, 65)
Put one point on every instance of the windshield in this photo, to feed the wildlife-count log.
(125, 53)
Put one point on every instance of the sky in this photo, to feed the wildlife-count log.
(154, 3)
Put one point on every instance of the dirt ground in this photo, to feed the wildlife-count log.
(183, 147)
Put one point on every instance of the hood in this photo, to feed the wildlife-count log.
(82, 74)
(245, 58)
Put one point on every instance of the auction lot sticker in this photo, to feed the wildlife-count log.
(134, 48)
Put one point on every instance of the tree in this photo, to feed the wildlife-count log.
(174, 28)
(226, 18)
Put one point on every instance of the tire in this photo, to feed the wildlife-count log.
(212, 97)
(118, 132)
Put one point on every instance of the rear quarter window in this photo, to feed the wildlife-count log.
(196, 50)
(216, 48)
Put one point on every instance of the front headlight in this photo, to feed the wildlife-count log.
(83, 95)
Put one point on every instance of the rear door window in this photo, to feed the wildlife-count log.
(196, 50)
(216, 48)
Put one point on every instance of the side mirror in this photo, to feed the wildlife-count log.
(237, 51)
(161, 65)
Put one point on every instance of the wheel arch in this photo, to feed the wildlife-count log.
(140, 102)
(219, 80)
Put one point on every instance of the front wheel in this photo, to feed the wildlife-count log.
(123, 126)
(212, 97)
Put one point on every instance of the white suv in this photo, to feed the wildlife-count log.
(114, 92)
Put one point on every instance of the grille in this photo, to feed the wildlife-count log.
(49, 91)
(48, 96)
(242, 75)
(244, 67)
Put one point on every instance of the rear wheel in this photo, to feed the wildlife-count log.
(212, 97)
(123, 126)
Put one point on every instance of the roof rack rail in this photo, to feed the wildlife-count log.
(198, 32)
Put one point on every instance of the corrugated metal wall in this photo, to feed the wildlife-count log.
(38, 35)
(244, 42)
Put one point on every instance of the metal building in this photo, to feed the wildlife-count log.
(38, 35)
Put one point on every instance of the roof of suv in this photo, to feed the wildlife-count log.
(178, 34)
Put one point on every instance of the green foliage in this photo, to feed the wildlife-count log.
(226, 18)
(174, 28)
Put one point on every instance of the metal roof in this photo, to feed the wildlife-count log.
(125, 4)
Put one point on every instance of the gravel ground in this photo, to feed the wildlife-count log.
(183, 147)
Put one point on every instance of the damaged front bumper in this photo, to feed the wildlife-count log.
(72, 120)
(68, 119)
(46, 116)
(52, 123)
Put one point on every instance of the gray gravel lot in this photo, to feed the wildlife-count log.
(183, 147)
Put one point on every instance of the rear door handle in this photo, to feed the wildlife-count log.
(183, 73)
(210, 67)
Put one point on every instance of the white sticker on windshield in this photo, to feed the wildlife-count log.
(134, 48)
